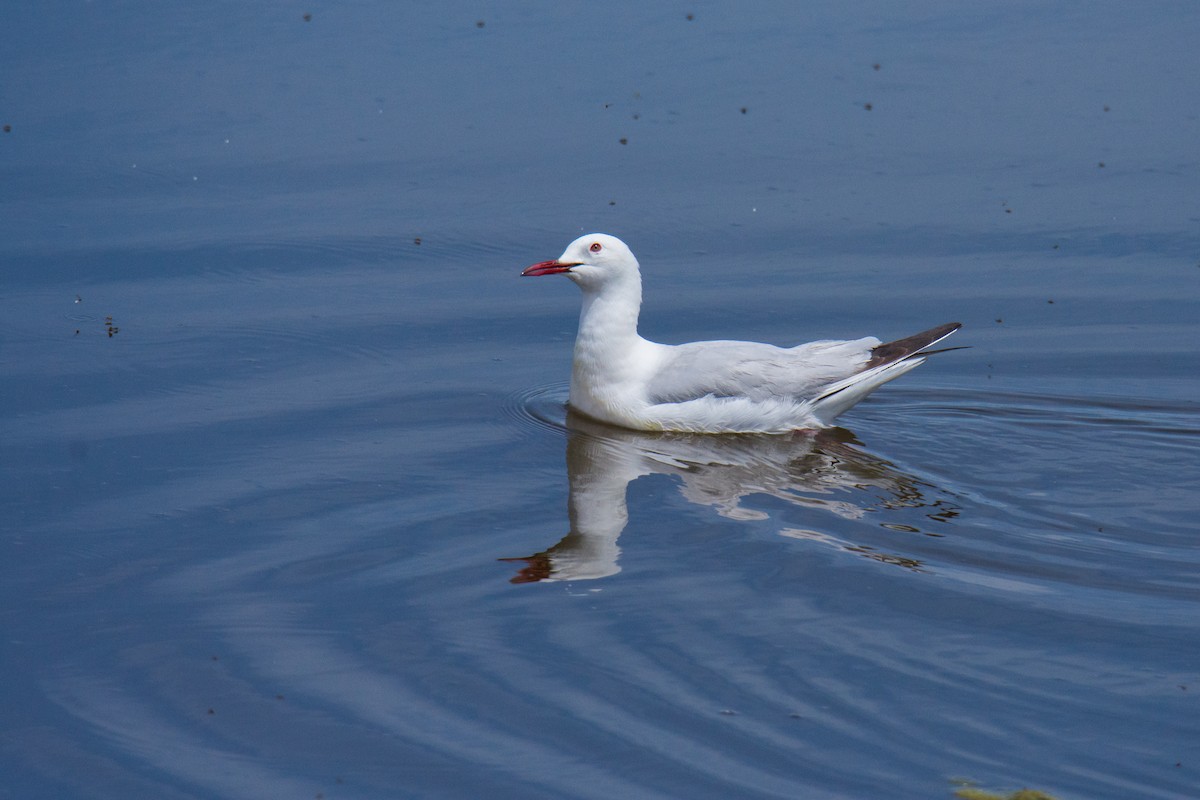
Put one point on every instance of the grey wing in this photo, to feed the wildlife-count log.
(755, 371)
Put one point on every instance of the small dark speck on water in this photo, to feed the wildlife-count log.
(417, 241)
(479, 24)
(876, 67)
(999, 321)
(308, 17)
(624, 140)
(278, 697)
(867, 106)
(1051, 302)
(691, 17)
(743, 109)
(1106, 108)
(1101, 165)
(216, 658)
(612, 202)
(1055, 247)
(8, 128)
(210, 711)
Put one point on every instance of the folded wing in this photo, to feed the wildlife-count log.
(755, 371)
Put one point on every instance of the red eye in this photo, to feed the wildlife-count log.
(595, 248)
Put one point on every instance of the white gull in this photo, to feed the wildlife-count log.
(708, 387)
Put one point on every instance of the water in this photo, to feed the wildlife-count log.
(312, 520)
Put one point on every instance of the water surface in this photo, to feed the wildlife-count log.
(293, 507)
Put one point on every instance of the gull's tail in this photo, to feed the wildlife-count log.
(888, 361)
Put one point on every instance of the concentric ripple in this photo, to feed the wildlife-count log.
(539, 407)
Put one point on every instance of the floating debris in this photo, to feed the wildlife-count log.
(971, 793)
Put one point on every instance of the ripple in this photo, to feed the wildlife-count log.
(729, 657)
(339, 338)
(1177, 416)
(1072, 494)
(1016, 509)
(539, 408)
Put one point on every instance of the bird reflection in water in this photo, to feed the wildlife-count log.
(804, 468)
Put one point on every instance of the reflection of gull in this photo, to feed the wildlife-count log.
(718, 471)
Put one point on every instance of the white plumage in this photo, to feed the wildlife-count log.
(708, 387)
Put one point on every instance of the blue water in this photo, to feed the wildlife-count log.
(292, 506)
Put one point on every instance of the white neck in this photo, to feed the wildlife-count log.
(609, 353)
(611, 313)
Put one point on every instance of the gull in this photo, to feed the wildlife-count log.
(708, 387)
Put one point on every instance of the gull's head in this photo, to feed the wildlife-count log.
(591, 261)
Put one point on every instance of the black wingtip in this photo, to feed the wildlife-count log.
(890, 352)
